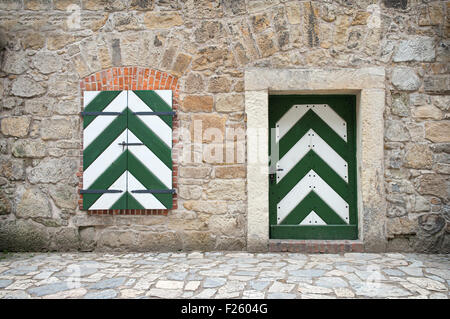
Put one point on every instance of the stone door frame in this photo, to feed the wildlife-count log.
(368, 84)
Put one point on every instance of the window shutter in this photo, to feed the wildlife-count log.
(127, 150)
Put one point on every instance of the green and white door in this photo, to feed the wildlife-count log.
(312, 173)
(127, 150)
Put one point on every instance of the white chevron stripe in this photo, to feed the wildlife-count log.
(166, 95)
(324, 111)
(104, 161)
(108, 199)
(312, 182)
(88, 96)
(313, 220)
(145, 199)
(329, 196)
(312, 141)
(158, 126)
(288, 120)
(294, 155)
(329, 155)
(100, 123)
(150, 160)
(329, 116)
(294, 197)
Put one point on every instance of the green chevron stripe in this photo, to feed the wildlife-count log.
(101, 101)
(312, 202)
(121, 203)
(312, 121)
(315, 162)
(156, 103)
(132, 203)
(148, 179)
(109, 176)
(150, 139)
(104, 140)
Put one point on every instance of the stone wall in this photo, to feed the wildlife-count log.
(52, 44)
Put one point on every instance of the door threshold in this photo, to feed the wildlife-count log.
(316, 246)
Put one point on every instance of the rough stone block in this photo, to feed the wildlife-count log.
(437, 84)
(29, 148)
(405, 79)
(433, 184)
(438, 132)
(418, 156)
(15, 62)
(419, 49)
(23, 235)
(427, 112)
(33, 204)
(38, 5)
(155, 241)
(194, 172)
(162, 20)
(56, 129)
(11, 4)
(396, 4)
(52, 170)
(226, 190)
(12, 169)
(198, 103)
(230, 172)
(202, 124)
(229, 103)
(181, 64)
(396, 131)
(15, 126)
(24, 86)
(198, 240)
(64, 196)
(219, 84)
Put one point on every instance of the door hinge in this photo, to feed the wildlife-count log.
(156, 113)
(155, 191)
(99, 113)
(99, 191)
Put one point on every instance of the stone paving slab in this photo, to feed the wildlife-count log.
(223, 275)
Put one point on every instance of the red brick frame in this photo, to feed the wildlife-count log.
(131, 78)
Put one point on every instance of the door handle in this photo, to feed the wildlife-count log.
(273, 175)
(123, 144)
(272, 178)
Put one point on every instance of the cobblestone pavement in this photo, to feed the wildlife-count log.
(223, 275)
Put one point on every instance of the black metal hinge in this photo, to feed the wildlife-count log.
(154, 191)
(156, 113)
(99, 113)
(99, 191)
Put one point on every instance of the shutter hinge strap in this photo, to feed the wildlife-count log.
(154, 191)
(99, 191)
(100, 113)
(156, 113)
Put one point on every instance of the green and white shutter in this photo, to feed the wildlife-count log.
(127, 150)
(313, 173)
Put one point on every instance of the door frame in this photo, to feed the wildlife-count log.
(368, 84)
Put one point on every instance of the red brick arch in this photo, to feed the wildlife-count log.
(131, 78)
